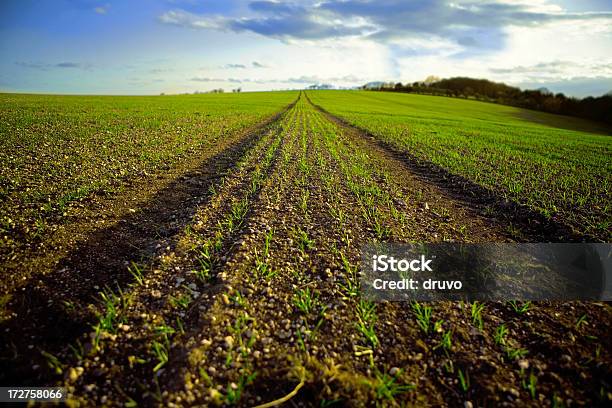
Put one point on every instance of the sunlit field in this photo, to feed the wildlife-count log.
(205, 249)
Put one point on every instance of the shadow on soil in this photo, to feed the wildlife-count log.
(51, 311)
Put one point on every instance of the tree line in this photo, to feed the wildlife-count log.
(595, 108)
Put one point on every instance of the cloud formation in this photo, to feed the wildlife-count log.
(253, 64)
(556, 69)
(207, 79)
(44, 66)
(469, 23)
(301, 80)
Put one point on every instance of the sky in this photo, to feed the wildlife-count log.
(175, 46)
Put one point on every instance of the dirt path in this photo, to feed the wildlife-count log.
(258, 299)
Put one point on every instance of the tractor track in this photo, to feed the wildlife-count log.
(56, 300)
(533, 226)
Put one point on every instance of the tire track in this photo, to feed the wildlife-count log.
(57, 304)
(164, 308)
(531, 225)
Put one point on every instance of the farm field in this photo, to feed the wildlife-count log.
(559, 167)
(180, 250)
(58, 152)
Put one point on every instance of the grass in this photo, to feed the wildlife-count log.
(350, 287)
(366, 315)
(530, 384)
(233, 392)
(446, 342)
(500, 334)
(520, 308)
(305, 300)
(235, 219)
(239, 299)
(476, 310)
(581, 321)
(206, 264)
(136, 273)
(53, 362)
(464, 380)
(161, 354)
(181, 301)
(558, 170)
(516, 353)
(58, 150)
(303, 241)
(387, 387)
(113, 305)
(423, 316)
(262, 264)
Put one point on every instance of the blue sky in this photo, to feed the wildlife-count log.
(148, 47)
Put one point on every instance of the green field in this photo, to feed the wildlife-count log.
(55, 150)
(205, 250)
(560, 166)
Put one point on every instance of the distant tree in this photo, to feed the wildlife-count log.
(599, 108)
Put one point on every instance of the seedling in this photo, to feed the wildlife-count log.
(78, 350)
(239, 299)
(387, 387)
(305, 300)
(206, 263)
(423, 316)
(366, 315)
(262, 267)
(516, 353)
(304, 200)
(233, 394)
(182, 301)
(477, 309)
(581, 321)
(500, 334)
(53, 362)
(136, 272)
(531, 384)
(464, 380)
(446, 342)
(351, 285)
(161, 353)
(303, 241)
(520, 309)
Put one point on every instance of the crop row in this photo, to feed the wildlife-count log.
(55, 151)
(558, 166)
